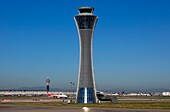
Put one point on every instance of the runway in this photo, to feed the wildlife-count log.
(69, 109)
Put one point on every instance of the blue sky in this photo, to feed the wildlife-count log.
(131, 50)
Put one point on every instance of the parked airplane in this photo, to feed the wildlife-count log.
(60, 96)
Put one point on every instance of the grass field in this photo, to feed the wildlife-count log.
(160, 104)
(131, 105)
(144, 97)
(23, 97)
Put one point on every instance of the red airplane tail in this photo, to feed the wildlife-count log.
(48, 94)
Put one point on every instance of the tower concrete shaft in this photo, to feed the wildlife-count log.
(85, 21)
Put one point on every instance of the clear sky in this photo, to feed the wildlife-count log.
(131, 45)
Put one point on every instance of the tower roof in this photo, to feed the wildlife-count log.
(86, 9)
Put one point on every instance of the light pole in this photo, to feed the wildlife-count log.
(72, 84)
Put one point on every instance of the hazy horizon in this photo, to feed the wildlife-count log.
(39, 39)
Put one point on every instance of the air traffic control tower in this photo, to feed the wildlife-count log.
(86, 21)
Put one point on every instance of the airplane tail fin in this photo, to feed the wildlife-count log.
(48, 94)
